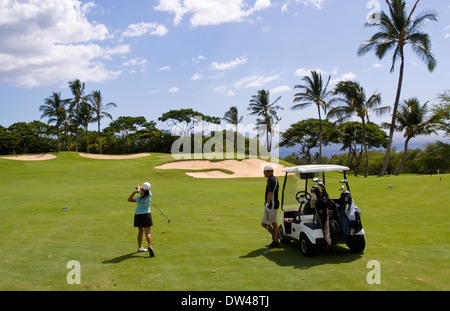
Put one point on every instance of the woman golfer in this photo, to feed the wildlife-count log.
(142, 216)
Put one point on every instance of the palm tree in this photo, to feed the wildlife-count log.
(441, 111)
(86, 116)
(232, 117)
(54, 109)
(411, 120)
(314, 92)
(77, 89)
(99, 111)
(396, 31)
(355, 101)
(260, 106)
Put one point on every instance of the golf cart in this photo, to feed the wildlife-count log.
(315, 220)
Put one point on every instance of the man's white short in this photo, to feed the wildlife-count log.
(270, 216)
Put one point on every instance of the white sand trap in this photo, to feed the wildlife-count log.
(34, 157)
(241, 169)
(114, 157)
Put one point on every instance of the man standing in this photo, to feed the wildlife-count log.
(271, 204)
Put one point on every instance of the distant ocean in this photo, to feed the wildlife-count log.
(398, 144)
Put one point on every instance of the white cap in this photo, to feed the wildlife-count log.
(146, 186)
(268, 168)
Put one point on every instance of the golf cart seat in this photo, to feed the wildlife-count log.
(308, 209)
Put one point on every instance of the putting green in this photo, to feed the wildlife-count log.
(214, 240)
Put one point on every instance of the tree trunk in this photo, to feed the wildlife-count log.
(58, 133)
(399, 170)
(320, 136)
(366, 173)
(76, 128)
(99, 136)
(394, 116)
(87, 140)
(349, 156)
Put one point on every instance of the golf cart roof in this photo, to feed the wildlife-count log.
(318, 168)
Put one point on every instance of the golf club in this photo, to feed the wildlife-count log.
(168, 220)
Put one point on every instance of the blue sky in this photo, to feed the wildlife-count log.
(149, 57)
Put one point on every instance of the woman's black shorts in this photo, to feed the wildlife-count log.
(143, 220)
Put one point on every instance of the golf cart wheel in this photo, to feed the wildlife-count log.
(308, 249)
(281, 236)
(357, 247)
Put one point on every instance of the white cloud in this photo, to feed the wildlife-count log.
(211, 12)
(317, 3)
(350, 76)
(198, 59)
(196, 76)
(223, 89)
(301, 72)
(284, 8)
(174, 90)
(165, 68)
(154, 91)
(229, 65)
(254, 81)
(229, 93)
(139, 61)
(280, 89)
(140, 29)
(447, 32)
(49, 41)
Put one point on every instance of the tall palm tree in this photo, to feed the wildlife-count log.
(260, 106)
(232, 117)
(399, 28)
(86, 116)
(411, 118)
(99, 110)
(77, 89)
(354, 101)
(54, 110)
(314, 92)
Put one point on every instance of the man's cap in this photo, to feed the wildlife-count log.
(268, 168)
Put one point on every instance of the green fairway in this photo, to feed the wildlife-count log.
(214, 240)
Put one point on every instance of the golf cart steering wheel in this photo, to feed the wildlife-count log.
(302, 195)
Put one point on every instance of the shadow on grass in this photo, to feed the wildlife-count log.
(125, 257)
(289, 255)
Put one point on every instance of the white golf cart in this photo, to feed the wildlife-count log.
(320, 221)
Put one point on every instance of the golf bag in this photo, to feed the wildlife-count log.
(321, 201)
(327, 214)
(350, 215)
(354, 218)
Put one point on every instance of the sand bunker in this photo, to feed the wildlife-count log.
(241, 169)
(114, 157)
(35, 157)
